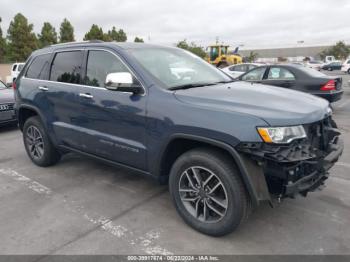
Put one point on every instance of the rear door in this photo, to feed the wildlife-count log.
(62, 93)
(279, 76)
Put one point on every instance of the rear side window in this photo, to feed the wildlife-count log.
(38, 68)
(278, 73)
(66, 67)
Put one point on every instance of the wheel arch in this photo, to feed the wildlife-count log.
(26, 111)
(180, 143)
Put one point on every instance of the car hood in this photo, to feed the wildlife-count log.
(7, 96)
(276, 106)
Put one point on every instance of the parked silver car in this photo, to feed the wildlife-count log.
(7, 100)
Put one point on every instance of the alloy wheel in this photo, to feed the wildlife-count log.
(35, 142)
(203, 194)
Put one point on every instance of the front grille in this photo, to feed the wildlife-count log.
(6, 107)
(318, 133)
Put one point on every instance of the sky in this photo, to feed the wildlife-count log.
(249, 24)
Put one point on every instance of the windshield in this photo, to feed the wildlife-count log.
(176, 67)
(312, 72)
(2, 85)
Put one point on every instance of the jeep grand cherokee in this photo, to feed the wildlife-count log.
(223, 146)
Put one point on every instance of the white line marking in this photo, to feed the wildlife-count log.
(145, 242)
(343, 164)
(31, 184)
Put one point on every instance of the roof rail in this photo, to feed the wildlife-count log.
(77, 43)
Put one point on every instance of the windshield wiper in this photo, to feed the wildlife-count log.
(187, 86)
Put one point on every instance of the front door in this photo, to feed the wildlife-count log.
(113, 122)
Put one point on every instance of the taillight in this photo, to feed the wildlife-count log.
(14, 85)
(330, 85)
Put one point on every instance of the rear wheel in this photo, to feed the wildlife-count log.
(37, 143)
(330, 69)
(207, 191)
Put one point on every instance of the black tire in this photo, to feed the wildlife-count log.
(330, 69)
(349, 71)
(48, 153)
(225, 171)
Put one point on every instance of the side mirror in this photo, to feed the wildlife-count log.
(122, 82)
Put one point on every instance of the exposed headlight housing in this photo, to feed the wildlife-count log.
(281, 135)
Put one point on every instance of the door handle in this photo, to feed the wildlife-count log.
(85, 95)
(43, 88)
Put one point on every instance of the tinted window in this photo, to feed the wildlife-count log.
(66, 67)
(240, 68)
(311, 72)
(14, 68)
(278, 73)
(251, 67)
(39, 67)
(255, 75)
(100, 64)
(348, 61)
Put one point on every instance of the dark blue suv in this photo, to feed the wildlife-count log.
(222, 145)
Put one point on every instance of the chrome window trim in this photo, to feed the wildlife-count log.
(82, 85)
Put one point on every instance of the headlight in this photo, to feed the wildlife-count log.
(281, 135)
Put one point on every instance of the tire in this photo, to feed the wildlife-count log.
(41, 152)
(231, 193)
(330, 69)
(349, 71)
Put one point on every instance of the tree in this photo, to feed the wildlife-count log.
(21, 39)
(119, 36)
(95, 33)
(66, 32)
(138, 40)
(252, 56)
(48, 35)
(192, 47)
(2, 46)
(339, 51)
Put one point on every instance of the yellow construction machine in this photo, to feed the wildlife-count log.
(218, 55)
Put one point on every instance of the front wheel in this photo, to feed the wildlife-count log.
(207, 191)
(37, 143)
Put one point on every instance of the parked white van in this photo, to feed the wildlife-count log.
(15, 70)
(346, 66)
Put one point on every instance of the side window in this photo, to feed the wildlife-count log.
(99, 65)
(254, 75)
(14, 68)
(251, 67)
(66, 67)
(278, 73)
(348, 61)
(233, 68)
(38, 68)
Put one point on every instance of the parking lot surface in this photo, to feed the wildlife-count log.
(85, 207)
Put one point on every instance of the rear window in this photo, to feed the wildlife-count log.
(38, 68)
(66, 67)
(311, 72)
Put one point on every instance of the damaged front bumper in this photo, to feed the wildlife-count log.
(299, 167)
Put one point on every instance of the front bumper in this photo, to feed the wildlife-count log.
(315, 180)
(301, 166)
